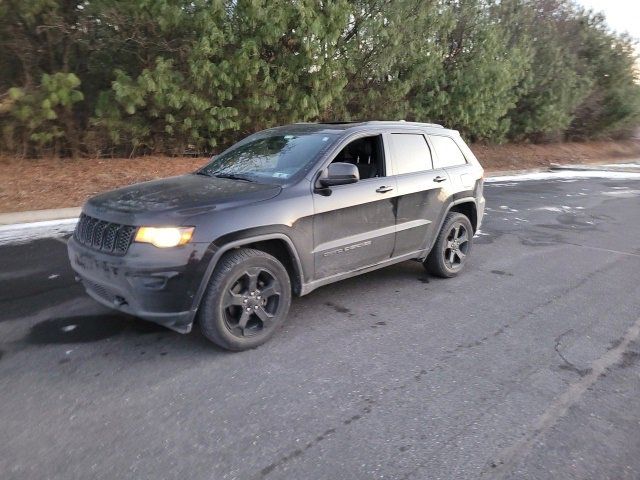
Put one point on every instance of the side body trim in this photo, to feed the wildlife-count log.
(360, 237)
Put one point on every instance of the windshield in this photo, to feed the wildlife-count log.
(272, 157)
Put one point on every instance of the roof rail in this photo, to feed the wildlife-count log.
(340, 122)
(346, 122)
(423, 124)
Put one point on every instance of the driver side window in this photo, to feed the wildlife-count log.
(366, 154)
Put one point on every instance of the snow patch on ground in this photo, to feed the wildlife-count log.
(563, 175)
(562, 209)
(26, 232)
(622, 165)
(504, 207)
(623, 193)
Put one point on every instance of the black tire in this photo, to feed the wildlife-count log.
(236, 312)
(452, 248)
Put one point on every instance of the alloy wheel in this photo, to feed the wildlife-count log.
(456, 246)
(252, 302)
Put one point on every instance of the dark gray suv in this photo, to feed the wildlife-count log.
(281, 213)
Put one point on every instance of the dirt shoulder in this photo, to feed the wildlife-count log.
(58, 183)
(528, 156)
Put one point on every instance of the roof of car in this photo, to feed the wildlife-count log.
(381, 123)
(343, 127)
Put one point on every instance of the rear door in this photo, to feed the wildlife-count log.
(354, 226)
(449, 157)
(422, 191)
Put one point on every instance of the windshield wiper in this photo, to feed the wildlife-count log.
(233, 176)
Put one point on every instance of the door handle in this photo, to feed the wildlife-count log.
(439, 179)
(384, 189)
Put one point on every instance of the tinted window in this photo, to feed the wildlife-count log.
(269, 157)
(410, 153)
(447, 152)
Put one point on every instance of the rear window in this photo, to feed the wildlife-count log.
(447, 152)
(410, 153)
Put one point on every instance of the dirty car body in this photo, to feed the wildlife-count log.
(321, 228)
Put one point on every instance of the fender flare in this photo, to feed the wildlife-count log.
(458, 201)
(444, 216)
(204, 282)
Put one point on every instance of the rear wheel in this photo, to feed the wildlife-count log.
(248, 296)
(452, 248)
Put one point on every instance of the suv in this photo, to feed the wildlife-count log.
(281, 213)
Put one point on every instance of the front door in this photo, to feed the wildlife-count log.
(354, 227)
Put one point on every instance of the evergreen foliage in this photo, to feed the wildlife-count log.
(129, 77)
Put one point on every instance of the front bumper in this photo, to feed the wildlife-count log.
(159, 285)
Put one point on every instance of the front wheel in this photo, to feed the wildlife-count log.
(248, 296)
(452, 248)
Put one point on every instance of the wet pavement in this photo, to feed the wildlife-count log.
(526, 367)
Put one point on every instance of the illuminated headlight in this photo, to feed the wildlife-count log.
(164, 237)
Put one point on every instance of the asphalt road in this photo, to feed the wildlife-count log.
(526, 366)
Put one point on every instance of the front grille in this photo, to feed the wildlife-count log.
(103, 236)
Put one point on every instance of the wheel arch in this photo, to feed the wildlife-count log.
(284, 251)
(468, 207)
(278, 245)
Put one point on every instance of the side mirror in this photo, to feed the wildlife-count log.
(339, 174)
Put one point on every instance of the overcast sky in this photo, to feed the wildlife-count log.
(622, 15)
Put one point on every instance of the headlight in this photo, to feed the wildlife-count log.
(164, 237)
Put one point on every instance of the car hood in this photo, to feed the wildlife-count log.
(175, 198)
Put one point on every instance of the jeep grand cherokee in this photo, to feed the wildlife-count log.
(280, 213)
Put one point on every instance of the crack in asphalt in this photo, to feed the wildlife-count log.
(510, 456)
(300, 451)
(297, 452)
(601, 249)
(531, 311)
(365, 410)
(567, 365)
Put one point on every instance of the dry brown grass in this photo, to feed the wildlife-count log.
(526, 156)
(56, 183)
